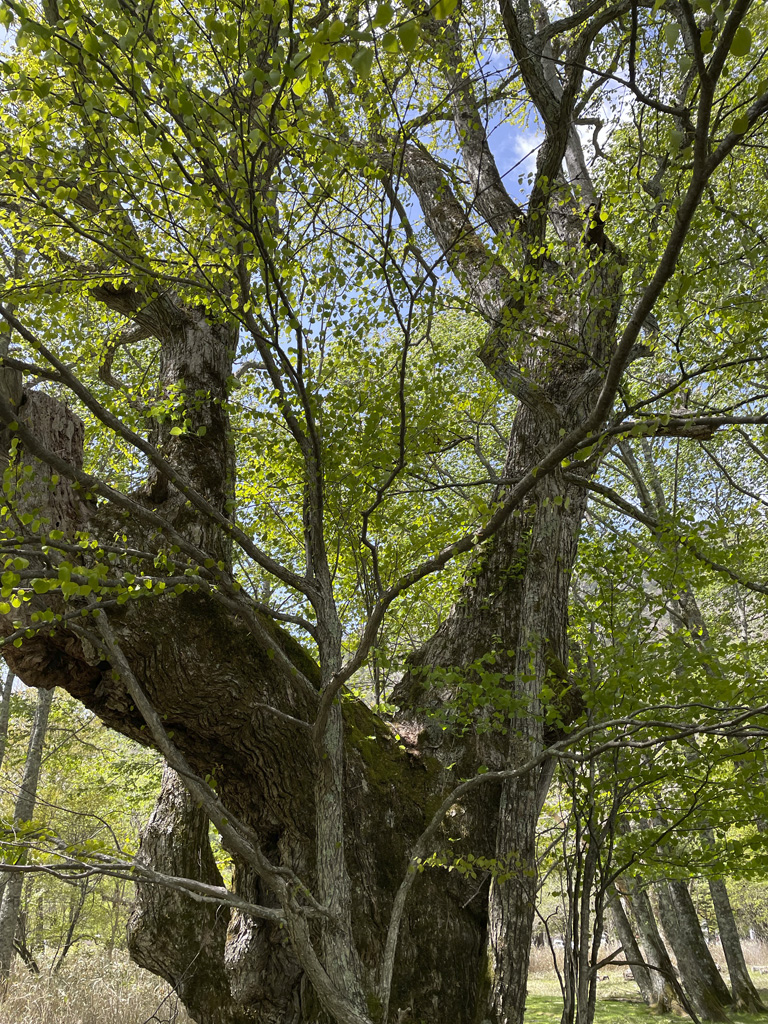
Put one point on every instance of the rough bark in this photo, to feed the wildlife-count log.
(700, 977)
(662, 972)
(745, 996)
(630, 948)
(226, 686)
(512, 619)
(173, 936)
(23, 811)
(213, 674)
(233, 691)
(516, 611)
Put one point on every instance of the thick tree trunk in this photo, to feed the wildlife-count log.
(233, 694)
(23, 811)
(233, 689)
(510, 623)
(700, 977)
(170, 934)
(745, 996)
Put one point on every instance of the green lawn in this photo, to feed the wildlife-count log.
(618, 1002)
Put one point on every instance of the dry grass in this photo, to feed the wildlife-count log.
(91, 988)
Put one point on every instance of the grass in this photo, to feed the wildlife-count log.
(91, 988)
(545, 1005)
(618, 999)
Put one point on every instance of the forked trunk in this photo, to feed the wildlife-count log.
(663, 977)
(238, 694)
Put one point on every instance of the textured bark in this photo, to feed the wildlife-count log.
(233, 694)
(700, 977)
(630, 948)
(745, 996)
(23, 811)
(231, 689)
(514, 610)
(662, 972)
(215, 683)
(173, 936)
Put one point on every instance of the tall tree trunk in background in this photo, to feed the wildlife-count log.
(706, 990)
(632, 954)
(745, 995)
(661, 970)
(689, 619)
(23, 811)
(5, 717)
(5, 712)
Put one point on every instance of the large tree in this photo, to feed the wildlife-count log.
(255, 246)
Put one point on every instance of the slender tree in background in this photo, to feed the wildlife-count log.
(5, 712)
(23, 812)
(263, 300)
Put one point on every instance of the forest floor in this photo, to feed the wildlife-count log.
(618, 998)
(618, 1002)
(94, 988)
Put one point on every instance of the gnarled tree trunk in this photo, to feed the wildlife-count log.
(238, 695)
(235, 695)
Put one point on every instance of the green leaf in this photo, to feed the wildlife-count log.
(389, 43)
(91, 45)
(384, 14)
(444, 9)
(408, 34)
(362, 62)
(175, 431)
(742, 42)
(741, 124)
(336, 30)
(672, 33)
(301, 85)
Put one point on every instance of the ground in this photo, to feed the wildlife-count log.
(94, 988)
